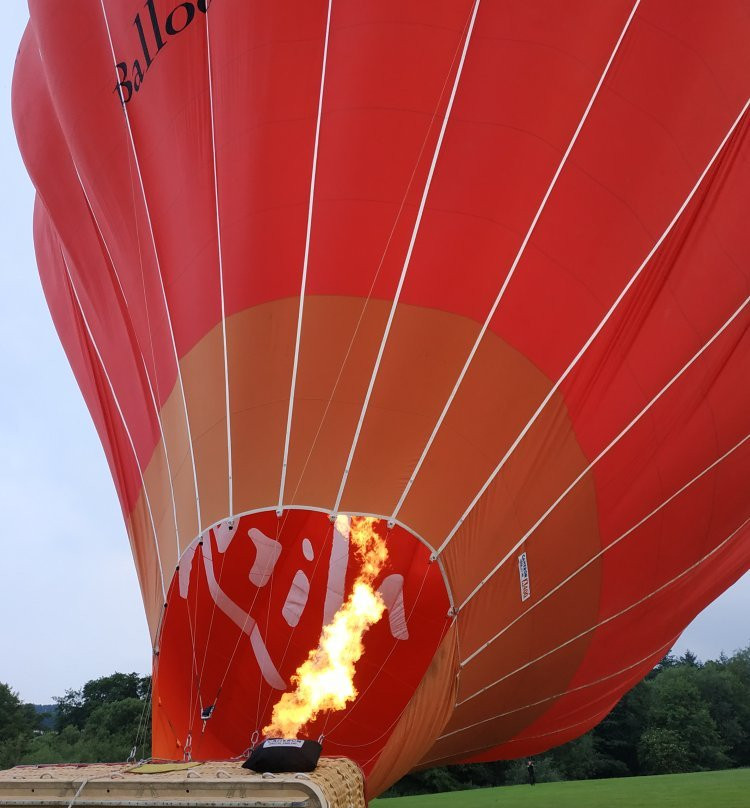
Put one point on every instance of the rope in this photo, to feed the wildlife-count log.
(158, 267)
(282, 524)
(407, 259)
(305, 263)
(605, 549)
(610, 618)
(613, 307)
(228, 414)
(352, 340)
(142, 726)
(153, 352)
(394, 645)
(92, 344)
(395, 720)
(194, 680)
(519, 254)
(318, 557)
(78, 793)
(213, 614)
(375, 277)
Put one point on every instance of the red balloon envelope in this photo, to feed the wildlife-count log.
(478, 269)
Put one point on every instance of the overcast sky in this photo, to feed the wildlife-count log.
(70, 608)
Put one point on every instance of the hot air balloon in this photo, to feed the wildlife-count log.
(477, 270)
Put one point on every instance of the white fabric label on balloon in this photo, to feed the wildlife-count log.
(523, 574)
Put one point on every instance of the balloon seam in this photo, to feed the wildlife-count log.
(514, 265)
(612, 544)
(221, 272)
(305, 263)
(158, 266)
(593, 336)
(122, 417)
(143, 358)
(612, 617)
(660, 650)
(407, 261)
(611, 445)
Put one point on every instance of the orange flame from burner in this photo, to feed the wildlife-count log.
(325, 681)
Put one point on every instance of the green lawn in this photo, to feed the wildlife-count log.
(727, 789)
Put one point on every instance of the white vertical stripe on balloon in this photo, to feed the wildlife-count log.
(694, 358)
(516, 260)
(305, 261)
(221, 273)
(407, 260)
(594, 335)
(159, 272)
(612, 617)
(100, 233)
(376, 275)
(661, 650)
(122, 418)
(606, 549)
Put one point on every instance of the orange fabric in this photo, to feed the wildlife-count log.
(422, 720)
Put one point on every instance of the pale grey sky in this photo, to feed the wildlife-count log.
(70, 608)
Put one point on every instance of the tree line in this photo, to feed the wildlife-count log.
(684, 716)
(101, 722)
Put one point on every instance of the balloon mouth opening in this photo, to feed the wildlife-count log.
(250, 599)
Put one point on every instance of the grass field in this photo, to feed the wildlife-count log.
(726, 789)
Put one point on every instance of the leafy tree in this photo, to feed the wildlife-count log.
(618, 735)
(738, 667)
(111, 729)
(685, 716)
(583, 758)
(76, 706)
(663, 751)
(56, 747)
(98, 723)
(690, 659)
(668, 661)
(728, 703)
(18, 721)
(677, 706)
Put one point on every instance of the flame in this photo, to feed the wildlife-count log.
(325, 681)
